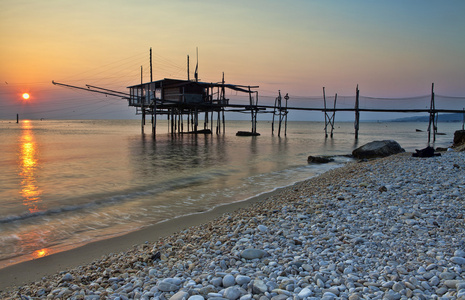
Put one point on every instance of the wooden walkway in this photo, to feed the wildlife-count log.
(186, 100)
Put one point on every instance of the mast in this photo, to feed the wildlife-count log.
(151, 78)
(196, 74)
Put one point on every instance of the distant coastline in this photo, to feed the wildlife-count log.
(456, 117)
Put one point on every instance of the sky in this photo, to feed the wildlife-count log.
(391, 49)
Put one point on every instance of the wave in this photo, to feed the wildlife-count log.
(158, 188)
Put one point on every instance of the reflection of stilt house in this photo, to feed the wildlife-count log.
(185, 99)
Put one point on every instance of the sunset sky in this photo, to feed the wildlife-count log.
(389, 48)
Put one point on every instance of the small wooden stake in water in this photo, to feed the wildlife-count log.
(17, 118)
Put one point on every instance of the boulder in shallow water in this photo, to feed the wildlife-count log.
(319, 159)
(378, 149)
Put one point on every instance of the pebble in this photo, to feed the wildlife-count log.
(389, 228)
(253, 253)
(242, 279)
(458, 260)
(232, 293)
(229, 280)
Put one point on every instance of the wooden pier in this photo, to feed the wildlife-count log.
(186, 100)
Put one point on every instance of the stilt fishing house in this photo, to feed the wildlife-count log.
(180, 98)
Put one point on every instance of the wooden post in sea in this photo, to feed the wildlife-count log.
(326, 115)
(142, 123)
(196, 119)
(154, 118)
(329, 120)
(253, 110)
(224, 123)
(285, 117)
(432, 117)
(357, 112)
(334, 116)
(172, 120)
(17, 119)
(279, 117)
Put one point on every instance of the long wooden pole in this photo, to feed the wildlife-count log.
(334, 115)
(151, 74)
(357, 112)
(326, 114)
(431, 116)
(188, 73)
(285, 117)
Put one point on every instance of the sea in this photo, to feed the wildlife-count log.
(65, 183)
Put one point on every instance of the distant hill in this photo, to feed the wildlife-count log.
(457, 117)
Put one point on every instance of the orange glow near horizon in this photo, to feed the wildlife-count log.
(271, 44)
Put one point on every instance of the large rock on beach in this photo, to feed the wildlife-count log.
(378, 149)
(459, 140)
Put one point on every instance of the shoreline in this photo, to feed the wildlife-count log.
(389, 228)
(20, 273)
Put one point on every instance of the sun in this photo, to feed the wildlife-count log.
(26, 96)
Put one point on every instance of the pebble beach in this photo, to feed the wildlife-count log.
(390, 228)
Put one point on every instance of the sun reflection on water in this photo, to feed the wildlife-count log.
(28, 164)
(40, 253)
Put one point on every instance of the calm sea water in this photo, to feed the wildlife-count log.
(67, 183)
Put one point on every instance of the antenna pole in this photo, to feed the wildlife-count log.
(188, 78)
(197, 67)
(141, 81)
(151, 78)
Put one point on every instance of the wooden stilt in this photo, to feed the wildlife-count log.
(182, 122)
(432, 118)
(211, 123)
(279, 112)
(154, 118)
(357, 112)
(334, 116)
(196, 119)
(172, 120)
(285, 116)
(153, 124)
(142, 123)
(277, 102)
(224, 125)
(326, 114)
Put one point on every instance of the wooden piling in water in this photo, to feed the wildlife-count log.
(433, 117)
(357, 112)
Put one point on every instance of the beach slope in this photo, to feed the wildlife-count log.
(388, 228)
